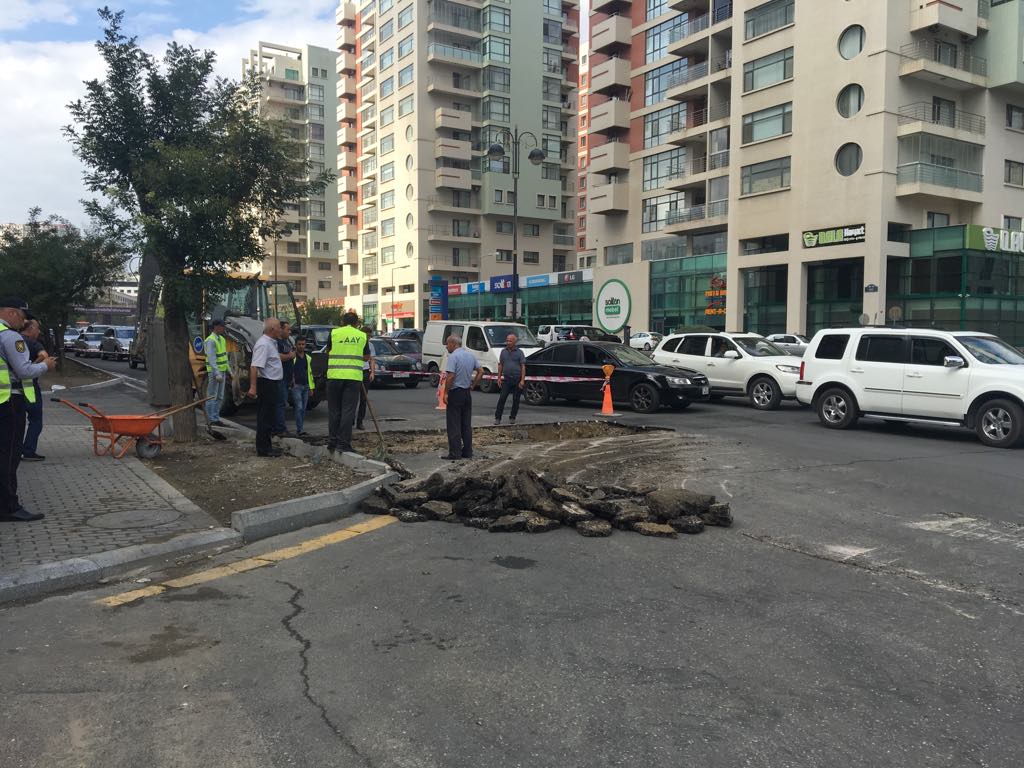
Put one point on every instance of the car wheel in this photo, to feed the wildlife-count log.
(536, 393)
(132, 364)
(78, 353)
(837, 409)
(999, 423)
(645, 398)
(681, 406)
(435, 375)
(412, 384)
(488, 385)
(764, 393)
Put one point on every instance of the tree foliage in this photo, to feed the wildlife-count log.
(55, 266)
(187, 159)
(314, 313)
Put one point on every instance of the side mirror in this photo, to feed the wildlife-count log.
(731, 354)
(953, 361)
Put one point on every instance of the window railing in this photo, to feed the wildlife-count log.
(448, 202)
(691, 27)
(945, 53)
(370, 216)
(927, 112)
(563, 239)
(370, 265)
(983, 8)
(467, 232)
(452, 17)
(452, 52)
(699, 70)
(369, 241)
(939, 175)
(698, 213)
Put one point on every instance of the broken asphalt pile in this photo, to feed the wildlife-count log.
(526, 500)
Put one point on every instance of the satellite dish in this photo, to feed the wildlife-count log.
(864, 319)
(895, 314)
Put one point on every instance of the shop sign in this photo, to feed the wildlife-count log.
(501, 284)
(716, 296)
(994, 239)
(407, 308)
(538, 281)
(476, 287)
(870, 288)
(455, 290)
(437, 304)
(565, 278)
(614, 306)
(819, 238)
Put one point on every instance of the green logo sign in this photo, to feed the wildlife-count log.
(613, 306)
(819, 238)
(994, 239)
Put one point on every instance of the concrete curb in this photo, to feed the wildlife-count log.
(37, 580)
(118, 378)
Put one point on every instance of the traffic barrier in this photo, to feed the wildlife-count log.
(607, 408)
(441, 404)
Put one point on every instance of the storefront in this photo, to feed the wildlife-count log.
(764, 297)
(556, 297)
(967, 278)
(687, 292)
(835, 295)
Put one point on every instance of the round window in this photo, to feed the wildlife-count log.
(851, 42)
(409, 250)
(848, 159)
(850, 100)
(409, 192)
(408, 221)
(408, 162)
(408, 133)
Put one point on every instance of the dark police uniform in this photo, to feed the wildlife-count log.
(15, 368)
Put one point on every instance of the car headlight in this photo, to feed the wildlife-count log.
(417, 367)
(678, 381)
(794, 369)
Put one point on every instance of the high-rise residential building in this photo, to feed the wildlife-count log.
(584, 258)
(789, 165)
(299, 91)
(426, 89)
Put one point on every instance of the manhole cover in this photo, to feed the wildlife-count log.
(135, 519)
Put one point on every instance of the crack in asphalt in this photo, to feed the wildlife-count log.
(307, 693)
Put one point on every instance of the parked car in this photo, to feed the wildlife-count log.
(137, 350)
(88, 344)
(116, 343)
(736, 364)
(966, 379)
(407, 333)
(793, 343)
(637, 380)
(316, 336)
(391, 366)
(98, 328)
(484, 339)
(644, 340)
(408, 347)
(553, 333)
(70, 337)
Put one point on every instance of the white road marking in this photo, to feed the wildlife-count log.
(844, 552)
(972, 528)
(725, 490)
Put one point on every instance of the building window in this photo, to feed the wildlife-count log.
(503, 227)
(386, 5)
(387, 59)
(851, 42)
(934, 219)
(656, 82)
(766, 244)
(387, 228)
(387, 29)
(387, 172)
(655, 210)
(497, 49)
(497, 79)
(387, 200)
(1014, 173)
(387, 144)
(618, 254)
(850, 100)
(659, 168)
(498, 194)
(405, 76)
(662, 248)
(531, 257)
(405, 47)
(405, 106)
(1015, 117)
(504, 254)
(497, 19)
(848, 159)
(768, 70)
(656, 8)
(768, 123)
(387, 254)
(658, 125)
(323, 266)
(551, 90)
(291, 74)
(387, 87)
(657, 38)
(531, 230)
(497, 108)
(317, 225)
(767, 17)
(1012, 222)
(387, 116)
(294, 267)
(764, 177)
(405, 16)
(552, 201)
(317, 208)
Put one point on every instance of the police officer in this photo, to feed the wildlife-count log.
(216, 348)
(347, 349)
(15, 367)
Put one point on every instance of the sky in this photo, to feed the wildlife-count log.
(47, 50)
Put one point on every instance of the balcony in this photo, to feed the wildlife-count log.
(346, 135)
(346, 111)
(347, 231)
(925, 117)
(608, 198)
(612, 34)
(563, 242)
(449, 262)
(453, 178)
(609, 76)
(939, 63)
(693, 172)
(610, 117)
(454, 149)
(613, 156)
(692, 80)
(698, 217)
(455, 85)
(693, 126)
(449, 235)
(346, 160)
(961, 17)
(440, 53)
(688, 37)
(938, 181)
(345, 40)
(455, 22)
(609, 6)
(348, 256)
(347, 184)
(346, 208)
(453, 119)
(450, 205)
(345, 13)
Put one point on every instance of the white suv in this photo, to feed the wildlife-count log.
(736, 364)
(973, 380)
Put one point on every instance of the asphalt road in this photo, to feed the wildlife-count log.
(865, 610)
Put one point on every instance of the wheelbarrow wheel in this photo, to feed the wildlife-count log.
(148, 447)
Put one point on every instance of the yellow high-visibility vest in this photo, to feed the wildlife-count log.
(221, 363)
(345, 360)
(5, 373)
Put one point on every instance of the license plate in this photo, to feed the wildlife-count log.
(705, 390)
(400, 375)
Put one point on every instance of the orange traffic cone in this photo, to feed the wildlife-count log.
(606, 406)
(441, 405)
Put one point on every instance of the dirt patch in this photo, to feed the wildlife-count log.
(223, 477)
(73, 374)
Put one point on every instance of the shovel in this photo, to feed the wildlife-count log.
(381, 452)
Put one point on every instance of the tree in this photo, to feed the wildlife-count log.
(186, 158)
(55, 266)
(314, 313)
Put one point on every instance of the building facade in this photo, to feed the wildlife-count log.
(425, 89)
(770, 166)
(299, 91)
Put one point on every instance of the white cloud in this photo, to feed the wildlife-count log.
(18, 14)
(39, 80)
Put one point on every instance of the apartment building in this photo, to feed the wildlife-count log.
(795, 164)
(585, 257)
(425, 90)
(299, 90)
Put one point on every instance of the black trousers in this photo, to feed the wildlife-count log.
(12, 436)
(362, 400)
(268, 392)
(459, 415)
(508, 388)
(342, 400)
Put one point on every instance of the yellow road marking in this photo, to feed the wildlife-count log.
(249, 563)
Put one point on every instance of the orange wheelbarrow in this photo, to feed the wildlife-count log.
(108, 432)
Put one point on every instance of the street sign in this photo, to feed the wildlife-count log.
(197, 345)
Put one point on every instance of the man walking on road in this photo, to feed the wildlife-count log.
(302, 384)
(459, 380)
(347, 350)
(33, 397)
(216, 348)
(287, 353)
(265, 375)
(511, 377)
(15, 367)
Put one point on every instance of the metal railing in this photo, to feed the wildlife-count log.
(699, 70)
(448, 202)
(369, 241)
(698, 117)
(983, 8)
(946, 54)
(467, 232)
(452, 261)
(700, 23)
(370, 216)
(697, 213)
(939, 175)
(456, 17)
(452, 52)
(927, 112)
(563, 239)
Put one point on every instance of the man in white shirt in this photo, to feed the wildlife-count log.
(265, 375)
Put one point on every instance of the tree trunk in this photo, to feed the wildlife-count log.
(179, 371)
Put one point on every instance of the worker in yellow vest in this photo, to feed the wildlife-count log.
(347, 349)
(216, 348)
(302, 385)
(15, 367)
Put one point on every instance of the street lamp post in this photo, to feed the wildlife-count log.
(496, 151)
(394, 291)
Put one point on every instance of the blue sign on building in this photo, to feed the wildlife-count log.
(538, 281)
(438, 304)
(476, 287)
(501, 284)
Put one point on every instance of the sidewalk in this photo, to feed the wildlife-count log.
(100, 511)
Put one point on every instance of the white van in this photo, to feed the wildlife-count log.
(484, 339)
